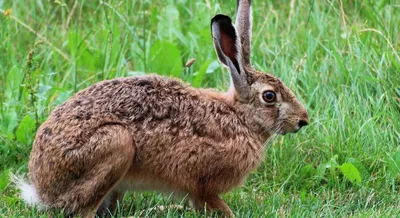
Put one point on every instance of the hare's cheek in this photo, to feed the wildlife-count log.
(283, 110)
(270, 115)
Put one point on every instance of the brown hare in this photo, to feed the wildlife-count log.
(157, 133)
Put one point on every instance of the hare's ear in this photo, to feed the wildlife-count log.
(227, 46)
(243, 26)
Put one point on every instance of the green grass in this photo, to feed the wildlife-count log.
(340, 57)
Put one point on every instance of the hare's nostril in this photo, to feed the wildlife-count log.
(303, 123)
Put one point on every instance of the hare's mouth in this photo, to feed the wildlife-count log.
(294, 130)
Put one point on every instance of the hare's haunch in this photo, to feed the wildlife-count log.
(157, 133)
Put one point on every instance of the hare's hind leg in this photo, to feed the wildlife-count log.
(108, 155)
(110, 203)
(211, 203)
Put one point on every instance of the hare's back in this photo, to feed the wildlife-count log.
(141, 103)
(118, 101)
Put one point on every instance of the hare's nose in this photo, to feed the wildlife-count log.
(303, 123)
(304, 120)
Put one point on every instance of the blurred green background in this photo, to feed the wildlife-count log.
(341, 58)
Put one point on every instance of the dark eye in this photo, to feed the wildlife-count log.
(269, 96)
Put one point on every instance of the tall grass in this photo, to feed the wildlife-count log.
(340, 57)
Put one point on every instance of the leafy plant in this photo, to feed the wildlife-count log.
(330, 171)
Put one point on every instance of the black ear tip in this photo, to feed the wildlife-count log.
(221, 17)
(223, 24)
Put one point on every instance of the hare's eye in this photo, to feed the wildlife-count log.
(269, 96)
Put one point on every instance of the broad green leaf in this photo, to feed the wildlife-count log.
(165, 58)
(13, 82)
(360, 167)
(4, 179)
(350, 172)
(169, 23)
(199, 21)
(24, 132)
(198, 79)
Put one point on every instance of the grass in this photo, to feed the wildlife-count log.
(340, 57)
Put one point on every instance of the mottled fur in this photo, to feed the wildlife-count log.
(157, 133)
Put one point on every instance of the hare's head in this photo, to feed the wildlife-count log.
(268, 105)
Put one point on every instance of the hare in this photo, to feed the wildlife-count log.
(157, 133)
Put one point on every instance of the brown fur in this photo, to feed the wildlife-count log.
(156, 133)
(243, 25)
